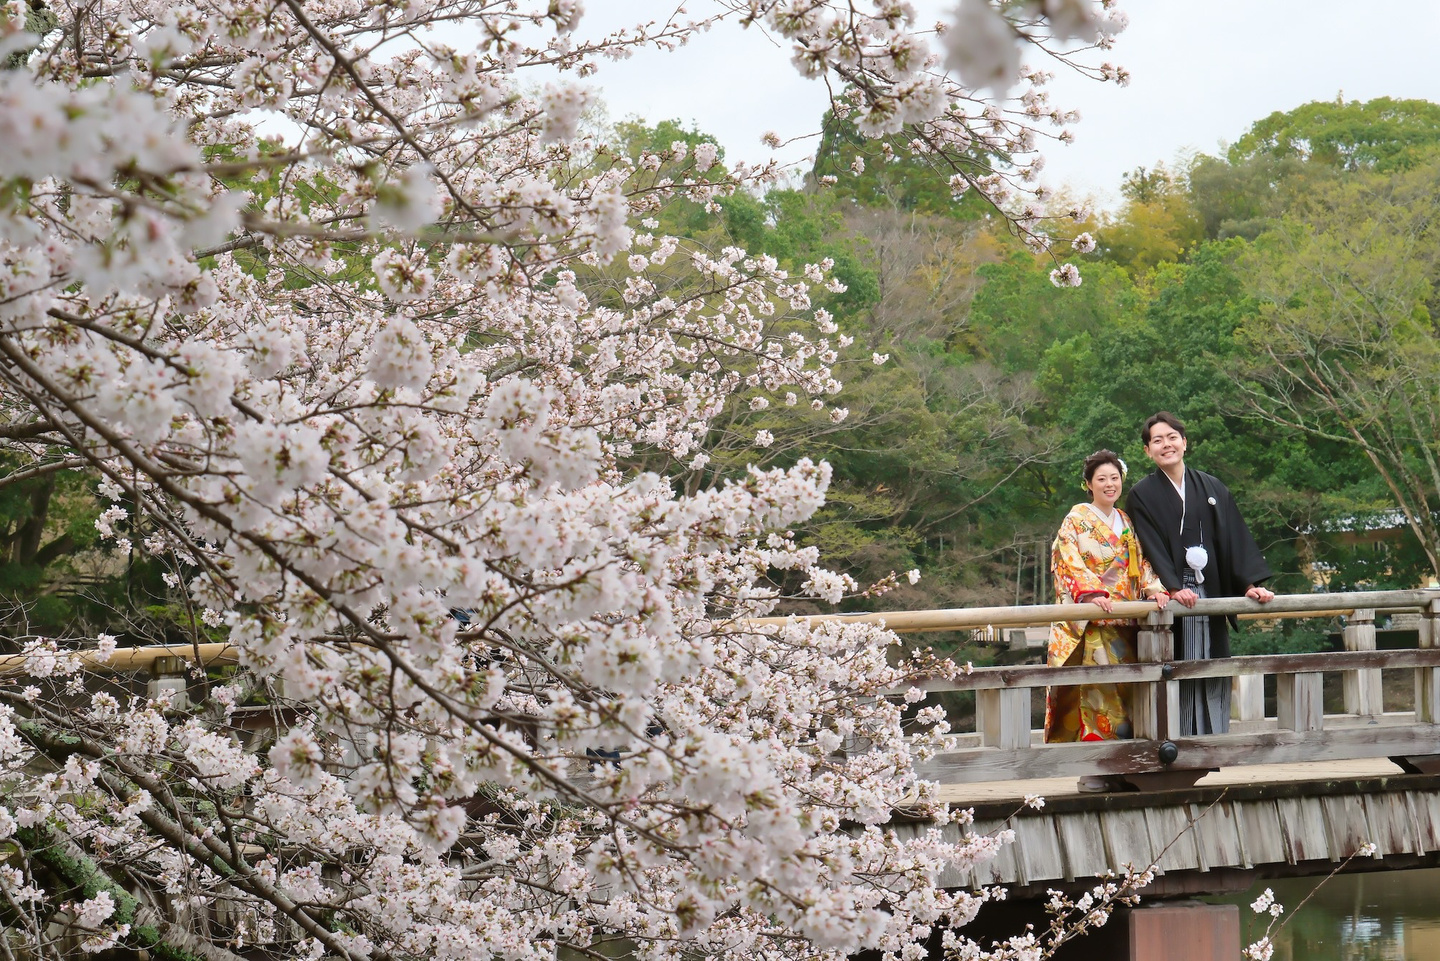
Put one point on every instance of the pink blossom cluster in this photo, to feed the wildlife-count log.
(367, 339)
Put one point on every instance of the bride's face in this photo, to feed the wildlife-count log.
(1105, 485)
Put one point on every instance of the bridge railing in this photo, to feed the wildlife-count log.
(1004, 747)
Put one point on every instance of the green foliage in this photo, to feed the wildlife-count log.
(1244, 198)
(1388, 558)
(964, 448)
(1148, 185)
(1019, 314)
(636, 137)
(1158, 223)
(1172, 350)
(799, 228)
(858, 526)
(1342, 345)
(56, 574)
(1383, 135)
(46, 521)
(1288, 636)
(1287, 159)
(39, 20)
(893, 175)
(681, 217)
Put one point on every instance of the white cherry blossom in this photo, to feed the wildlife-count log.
(371, 343)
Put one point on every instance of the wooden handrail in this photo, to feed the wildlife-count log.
(136, 658)
(1036, 615)
(1314, 605)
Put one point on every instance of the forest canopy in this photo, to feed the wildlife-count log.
(1204, 291)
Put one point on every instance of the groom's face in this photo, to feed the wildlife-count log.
(1166, 447)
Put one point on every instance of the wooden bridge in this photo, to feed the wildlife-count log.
(1295, 792)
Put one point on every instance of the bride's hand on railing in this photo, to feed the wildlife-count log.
(1161, 598)
(1101, 601)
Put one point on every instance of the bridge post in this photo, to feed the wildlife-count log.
(1155, 706)
(1362, 688)
(1427, 679)
(1003, 716)
(1185, 931)
(1299, 701)
(1427, 693)
(167, 679)
(1248, 692)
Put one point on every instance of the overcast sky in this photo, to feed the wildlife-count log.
(1203, 71)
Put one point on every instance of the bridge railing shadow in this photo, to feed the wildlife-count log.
(1003, 746)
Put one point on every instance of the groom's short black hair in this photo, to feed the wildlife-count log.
(1163, 417)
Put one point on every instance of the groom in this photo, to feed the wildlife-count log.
(1194, 537)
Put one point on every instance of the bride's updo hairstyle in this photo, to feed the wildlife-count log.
(1099, 459)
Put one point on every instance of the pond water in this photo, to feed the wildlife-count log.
(1384, 916)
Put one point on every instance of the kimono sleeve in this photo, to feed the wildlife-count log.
(1068, 562)
(1246, 563)
(1153, 542)
(1149, 583)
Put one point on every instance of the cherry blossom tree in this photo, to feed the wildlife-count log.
(308, 288)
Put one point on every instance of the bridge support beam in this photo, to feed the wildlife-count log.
(1184, 931)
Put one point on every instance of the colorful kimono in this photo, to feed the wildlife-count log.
(1088, 557)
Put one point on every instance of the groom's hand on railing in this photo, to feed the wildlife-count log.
(1186, 596)
(1257, 593)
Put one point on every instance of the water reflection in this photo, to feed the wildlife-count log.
(1389, 916)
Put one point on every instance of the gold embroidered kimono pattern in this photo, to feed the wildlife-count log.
(1086, 557)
